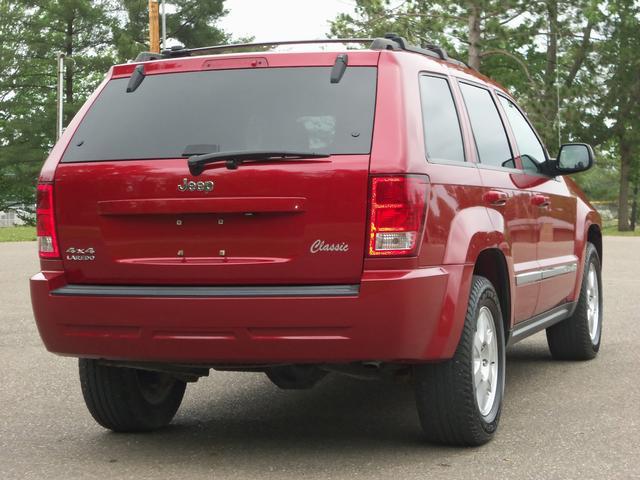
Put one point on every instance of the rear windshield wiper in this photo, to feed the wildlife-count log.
(233, 159)
(136, 78)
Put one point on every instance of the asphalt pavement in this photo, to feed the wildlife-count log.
(561, 420)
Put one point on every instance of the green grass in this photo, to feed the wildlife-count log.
(613, 230)
(17, 234)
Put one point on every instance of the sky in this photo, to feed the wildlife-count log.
(282, 19)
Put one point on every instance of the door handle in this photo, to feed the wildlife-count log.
(541, 201)
(495, 198)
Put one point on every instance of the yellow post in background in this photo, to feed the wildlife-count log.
(154, 30)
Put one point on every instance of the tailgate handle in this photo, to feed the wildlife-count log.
(168, 206)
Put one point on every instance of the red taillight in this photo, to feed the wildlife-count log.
(46, 225)
(397, 214)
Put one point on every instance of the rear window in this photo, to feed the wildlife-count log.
(442, 135)
(229, 110)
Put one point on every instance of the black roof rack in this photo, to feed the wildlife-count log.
(390, 41)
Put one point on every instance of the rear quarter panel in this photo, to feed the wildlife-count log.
(458, 226)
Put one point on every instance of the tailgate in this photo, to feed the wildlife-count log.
(295, 223)
(129, 212)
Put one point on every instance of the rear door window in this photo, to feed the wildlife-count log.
(531, 151)
(281, 109)
(442, 135)
(488, 130)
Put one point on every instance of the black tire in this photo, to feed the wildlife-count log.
(446, 392)
(128, 399)
(571, 339)
(295, 377)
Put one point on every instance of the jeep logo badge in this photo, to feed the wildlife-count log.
(193, 186)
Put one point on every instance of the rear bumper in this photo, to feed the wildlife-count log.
(398, 315)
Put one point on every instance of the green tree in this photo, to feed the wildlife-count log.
(13, 175)
(93, 34)
(539, 50)
(32, 34)
(189, 22)
(618, 110)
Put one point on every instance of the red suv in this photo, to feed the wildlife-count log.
(385, 211)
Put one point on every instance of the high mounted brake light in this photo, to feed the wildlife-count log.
(396, 214)
(45, 220)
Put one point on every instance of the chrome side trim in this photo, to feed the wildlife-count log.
(543, 274)
(528, 277)
(535, 324)
(559, 270)
(208, 291)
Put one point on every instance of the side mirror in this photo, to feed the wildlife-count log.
(573, 158)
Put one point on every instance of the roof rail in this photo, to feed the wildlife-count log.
(180, 51)
(390, 41)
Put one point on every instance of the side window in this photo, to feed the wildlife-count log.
(442, 135)
(531, 151)
(488, 131)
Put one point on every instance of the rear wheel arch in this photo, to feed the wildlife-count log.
(594, 236)
(492, 264)
(448, 398)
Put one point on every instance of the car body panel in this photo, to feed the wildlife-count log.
(407, 309)
(258, 225)
(379, 322)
